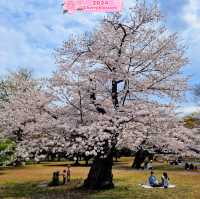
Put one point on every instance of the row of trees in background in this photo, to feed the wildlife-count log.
(113, 88)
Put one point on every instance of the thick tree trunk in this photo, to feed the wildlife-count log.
(100, 174)
(86, 160)
(140, 156)
(116, 155)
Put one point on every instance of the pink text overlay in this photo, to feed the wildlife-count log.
(72, 6)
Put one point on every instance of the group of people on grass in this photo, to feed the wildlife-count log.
(66, 176)
(153, 182)
(190, 166)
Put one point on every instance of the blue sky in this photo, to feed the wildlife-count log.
(30, 30)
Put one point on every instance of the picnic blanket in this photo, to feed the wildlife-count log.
(150, 187)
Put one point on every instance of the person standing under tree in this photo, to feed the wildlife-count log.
(68, 173)
(149, 165)
(64, 174)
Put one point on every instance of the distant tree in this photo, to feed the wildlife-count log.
(28, 118)
(192, 121)
(8, 84)
(7, 152)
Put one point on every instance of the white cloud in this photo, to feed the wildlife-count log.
(186, 110)
(30, 30)
(29, 33)
(192, 14)
(191, 35)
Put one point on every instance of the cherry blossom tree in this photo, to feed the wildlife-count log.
(8, 83)
(117, 84)
(28, 117)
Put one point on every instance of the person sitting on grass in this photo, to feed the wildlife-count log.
(55, 179)
(153, 181)
(68, 173)
(187, 166)
(165, 180)
(191, 167)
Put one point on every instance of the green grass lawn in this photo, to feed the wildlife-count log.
(24, 182)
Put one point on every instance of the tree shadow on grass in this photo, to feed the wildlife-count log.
(34, 191)
(68, 194)
(168, 167)
(65, 165)
(2, 173)
(123, 167)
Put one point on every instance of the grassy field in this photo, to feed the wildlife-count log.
(26, 182)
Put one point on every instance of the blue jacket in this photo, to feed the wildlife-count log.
(152, 180)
